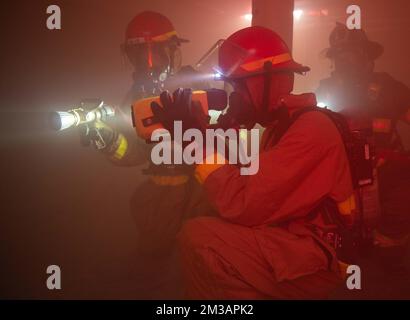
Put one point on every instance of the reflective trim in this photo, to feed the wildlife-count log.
(343, 269)
(381, 125)
(169, 180)
(202, 171)
(159, 38)
(122, 147)
(258, 64)
(348, 206)
(165, 36)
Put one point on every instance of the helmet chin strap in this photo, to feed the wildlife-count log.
(267, 83)
(267, 115)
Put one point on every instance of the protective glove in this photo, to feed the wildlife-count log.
(180, 107)
(239, 113)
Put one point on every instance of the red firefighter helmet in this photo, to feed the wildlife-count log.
(149, 26)
(247, 51)
(152, 47)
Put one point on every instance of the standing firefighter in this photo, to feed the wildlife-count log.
(375, 101)
(169, 193)
(266, 241)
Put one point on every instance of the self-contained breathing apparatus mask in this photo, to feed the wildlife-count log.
(153, 63)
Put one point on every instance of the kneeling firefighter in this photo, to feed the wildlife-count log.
(267, 240)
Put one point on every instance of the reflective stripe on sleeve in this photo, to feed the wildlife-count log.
(122, 144)
(211, 163)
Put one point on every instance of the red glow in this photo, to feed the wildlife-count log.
(149, 55)
(319, 13)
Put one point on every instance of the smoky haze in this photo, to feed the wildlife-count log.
(62, 203)
(67, 205)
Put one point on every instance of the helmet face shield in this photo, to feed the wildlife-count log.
(230, 62)
(149, 58)
(210, 63)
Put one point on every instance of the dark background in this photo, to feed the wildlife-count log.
(67, 205)
(62, 203)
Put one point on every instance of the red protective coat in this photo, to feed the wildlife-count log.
(262, 245)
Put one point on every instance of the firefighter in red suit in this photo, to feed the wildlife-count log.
(265, 243)
(167, 194)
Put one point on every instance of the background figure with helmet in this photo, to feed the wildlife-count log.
(267, 240)
(376, 103)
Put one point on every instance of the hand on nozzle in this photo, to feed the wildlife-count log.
(97, 134)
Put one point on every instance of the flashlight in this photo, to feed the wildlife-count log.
(61, 120)
(217, 76)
